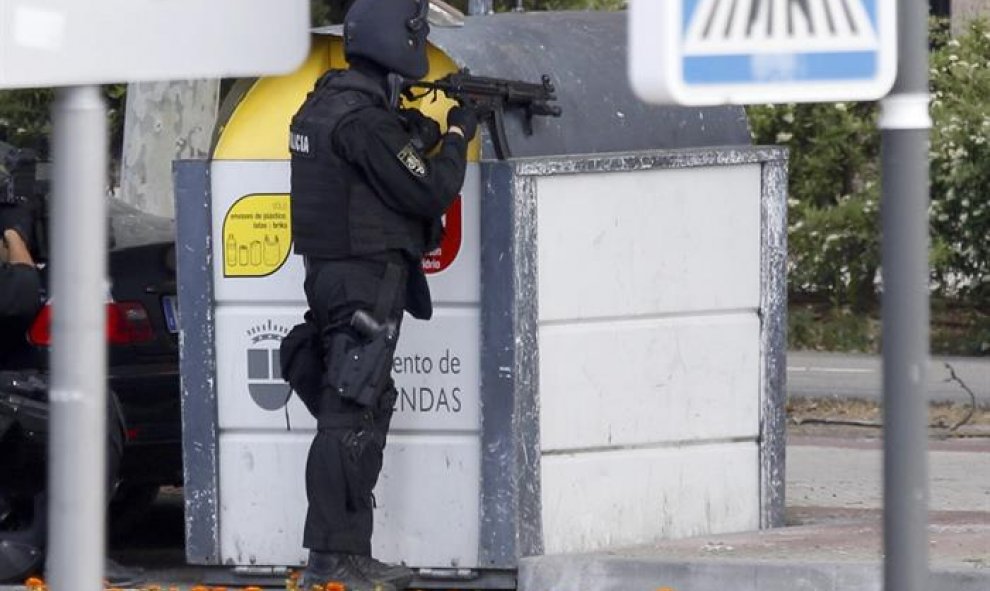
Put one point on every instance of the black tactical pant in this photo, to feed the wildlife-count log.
(345, 457)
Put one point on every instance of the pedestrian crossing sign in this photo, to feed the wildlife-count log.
(709, 52)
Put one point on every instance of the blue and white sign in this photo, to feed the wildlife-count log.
(707, 52)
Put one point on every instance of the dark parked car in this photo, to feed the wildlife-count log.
(142, 335)
(144, 365)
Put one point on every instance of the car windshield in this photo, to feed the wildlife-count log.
(129, 226)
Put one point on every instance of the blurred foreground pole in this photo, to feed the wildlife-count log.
(78, 399)
(905, 125)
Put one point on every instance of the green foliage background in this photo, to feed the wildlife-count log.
(24, 114)
(834, 238)
(834, 182)
(960, 165)
(25, 117)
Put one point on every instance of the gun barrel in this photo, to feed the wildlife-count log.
(493, 96)
(511, 93)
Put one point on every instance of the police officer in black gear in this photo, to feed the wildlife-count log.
(366, 205)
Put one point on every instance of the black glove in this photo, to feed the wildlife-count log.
(464, 117)
(425, 132)
(19, 219)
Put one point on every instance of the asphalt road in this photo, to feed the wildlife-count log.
(812, 375)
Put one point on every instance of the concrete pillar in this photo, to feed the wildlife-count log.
(164, 121)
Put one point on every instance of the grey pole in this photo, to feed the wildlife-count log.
(905, 125)
(77, 430)
(480, 7)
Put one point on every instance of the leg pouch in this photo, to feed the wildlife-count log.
(301, 356)
(361, 458)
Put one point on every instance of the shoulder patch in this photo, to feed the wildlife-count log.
(413, 162)
(301, 143)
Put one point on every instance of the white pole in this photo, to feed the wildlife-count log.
(78, 400)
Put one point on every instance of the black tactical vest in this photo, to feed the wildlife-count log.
(335, 213)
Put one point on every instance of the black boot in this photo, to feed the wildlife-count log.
(327, 567)
(375, 570)
(118, 575)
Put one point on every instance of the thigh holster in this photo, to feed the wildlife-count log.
(360, 357)
(361, 361)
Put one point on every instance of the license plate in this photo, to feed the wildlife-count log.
(170, 308)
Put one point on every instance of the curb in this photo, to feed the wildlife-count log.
(617, 573)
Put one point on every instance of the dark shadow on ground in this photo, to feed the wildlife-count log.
(157, 539)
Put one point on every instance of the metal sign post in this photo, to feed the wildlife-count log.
(77, 481)
(77, 45)
(700, 52)
(905, 125)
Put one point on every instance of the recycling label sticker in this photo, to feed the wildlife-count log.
(257, 235)
(440, 258)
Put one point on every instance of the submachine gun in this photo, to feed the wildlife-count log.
(491, 97)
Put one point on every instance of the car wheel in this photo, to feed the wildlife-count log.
(22, 533)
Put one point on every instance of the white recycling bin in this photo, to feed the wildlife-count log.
(605, 362)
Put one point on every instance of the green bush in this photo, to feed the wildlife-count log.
(960, 162)
(25, 117)
(834, 182)
(834, 194)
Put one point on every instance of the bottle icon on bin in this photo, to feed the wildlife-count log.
(272, 250)
(255, 253)
(231, 249)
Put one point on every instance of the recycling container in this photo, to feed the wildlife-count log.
(605, 365)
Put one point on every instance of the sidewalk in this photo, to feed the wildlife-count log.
(842, 555)
(832, 542)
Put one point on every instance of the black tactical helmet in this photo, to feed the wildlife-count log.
(390, 33)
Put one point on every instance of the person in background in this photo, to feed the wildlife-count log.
(22, 467)
(20, 286)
